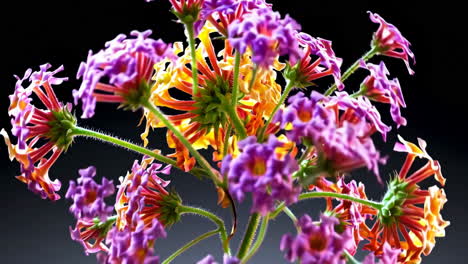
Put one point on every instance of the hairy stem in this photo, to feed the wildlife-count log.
(79, 131)
(352, 69)
(218, 221)
(249, 235)
(190, 244)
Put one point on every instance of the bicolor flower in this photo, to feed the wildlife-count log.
(326, 62)
(202, 118)
(39, 131)
(317, 242)
(402, 222)
(267, 35)
(142, 196)
(127, 65)
(379, 88)
(88, 196)
(389, 41)
(264, 170)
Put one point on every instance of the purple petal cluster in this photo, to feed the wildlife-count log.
(133, 246)
(342, 143)
(323, 49)
(389, 256)
(266, 34)
(390, 42)
(21, 110)
(317, 243)
(125, 62)
(140, 189)
(360, 109)
(226, 260)
(379, 88)
(88, 196)
(259, 170)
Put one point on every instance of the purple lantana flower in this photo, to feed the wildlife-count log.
(389, 41)
(317, 242)
(226, 260)
(338, 127)
(266, 35)
(326, 64)
(259, 169)
(128, 66)
(389, 256)
(379, 88)
(133, 246)
(88, 196)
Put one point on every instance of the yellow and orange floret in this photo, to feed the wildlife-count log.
(410, 218)
(201, 121)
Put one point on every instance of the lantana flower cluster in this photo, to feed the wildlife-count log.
(271, 143)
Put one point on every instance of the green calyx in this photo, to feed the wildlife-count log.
(211, 104)
(293, 74)
(393, 200)
(169, 208)
(308, 173)
(135, 98)
(189, 15)
(105, 226)
(61, 128)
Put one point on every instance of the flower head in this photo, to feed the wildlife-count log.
(316, 242)
(141, 195)
(389, 41)
(401, 217)
(326, 63)
(339, 130)
(134, 246)
(39, 132)
(266, 35)
(262, 170)
(127, 64)
(379, 88)
(88, 196)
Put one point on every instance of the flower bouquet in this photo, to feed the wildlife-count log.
(272, 142)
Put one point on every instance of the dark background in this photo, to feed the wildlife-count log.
(35, 230)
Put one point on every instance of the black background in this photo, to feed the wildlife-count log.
(35, 230)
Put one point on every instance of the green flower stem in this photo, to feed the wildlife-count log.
(280, 208)
(200, 159)
(218, 221)
(289, 213)
(226, 140)
(287, 90)
(190, 244)
(193, 53)
(350, 259)
(79, 131)
(235, 83)
(249, 235)
(254, 76)
(352, 69)
(261, 236)
(236, 122)
(311, 195)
